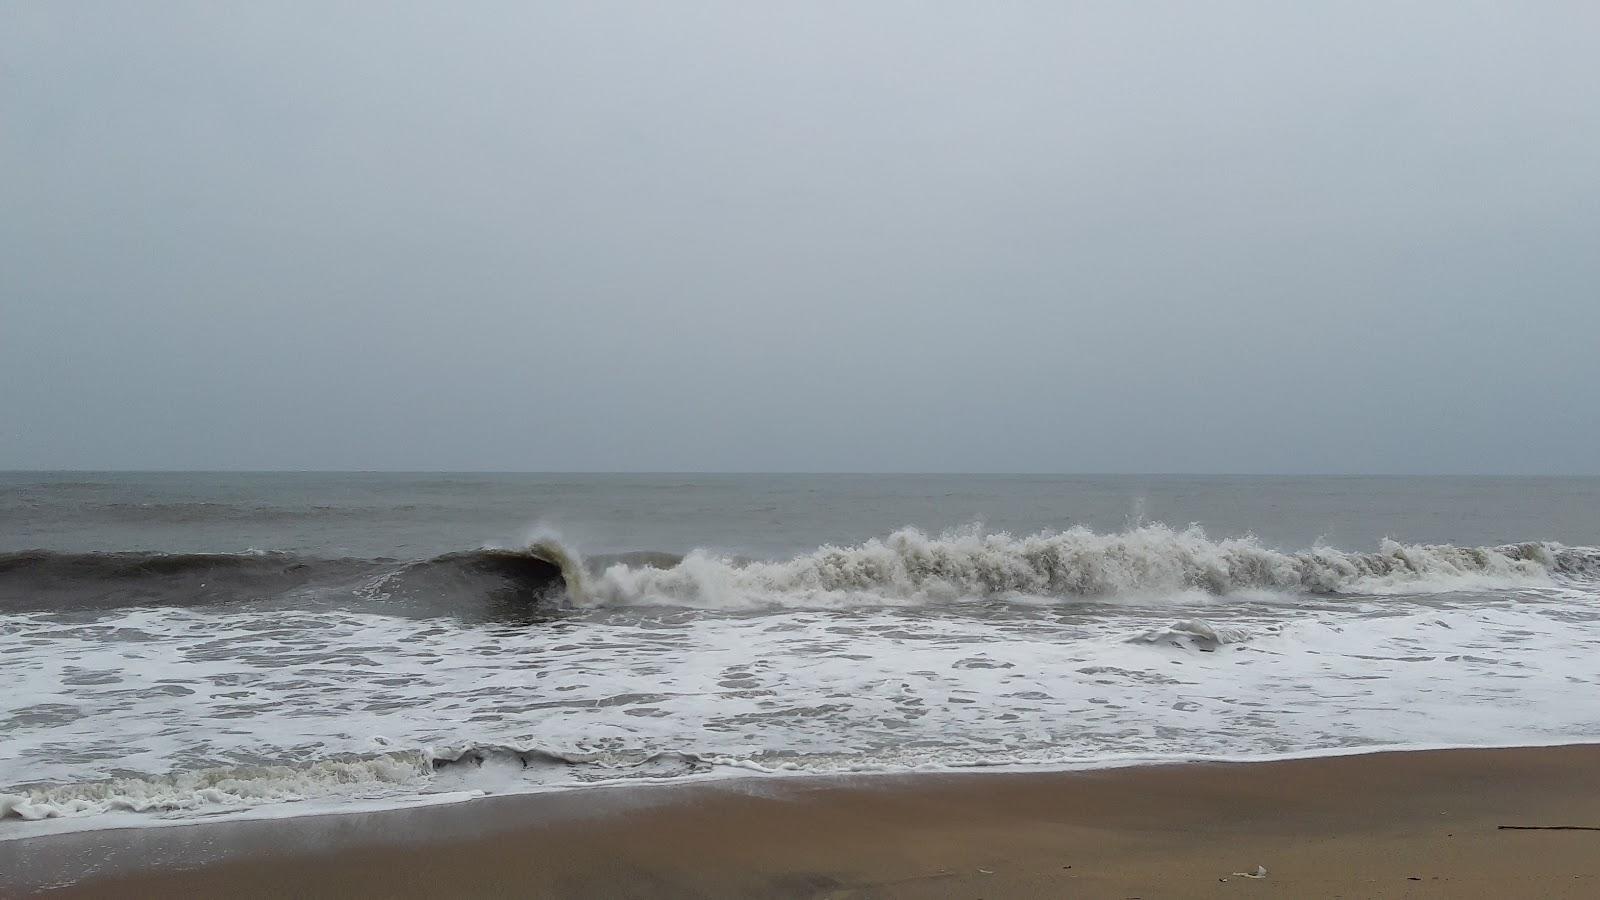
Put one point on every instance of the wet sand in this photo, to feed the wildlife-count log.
(1421, 824)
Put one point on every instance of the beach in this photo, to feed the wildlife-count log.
(1398, 824)
(847, 450)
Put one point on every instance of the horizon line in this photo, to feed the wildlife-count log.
(794, 472)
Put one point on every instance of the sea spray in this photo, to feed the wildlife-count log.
(546, 544)
(910, 566)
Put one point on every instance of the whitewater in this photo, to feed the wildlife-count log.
(913, 651)
(911, 567)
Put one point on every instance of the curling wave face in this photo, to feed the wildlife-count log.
(478, 581)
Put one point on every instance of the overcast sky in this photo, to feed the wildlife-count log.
(863, 236)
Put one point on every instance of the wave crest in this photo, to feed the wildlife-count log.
(218, 788)
(496, 579)
(906, 567)
(910, 566)
(467, 767)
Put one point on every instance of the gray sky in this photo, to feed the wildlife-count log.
(812, 236)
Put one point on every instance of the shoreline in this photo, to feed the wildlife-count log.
(314, 808)
(1354, 823)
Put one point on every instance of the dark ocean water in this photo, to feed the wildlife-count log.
(764, 516)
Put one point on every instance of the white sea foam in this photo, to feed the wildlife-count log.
(169, 714)
(1192, 633)
(216, 789)
(911, 567)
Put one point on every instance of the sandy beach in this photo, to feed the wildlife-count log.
(1418, 824)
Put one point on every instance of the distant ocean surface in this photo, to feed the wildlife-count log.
(194, 645)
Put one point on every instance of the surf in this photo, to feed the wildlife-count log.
(907, 567)
(911, 567)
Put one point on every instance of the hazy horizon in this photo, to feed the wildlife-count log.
(799, 473)
(814, 238)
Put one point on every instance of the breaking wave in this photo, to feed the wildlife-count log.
(910, 566)
(471, 768)
(219, 789)
(44, 580)
(906, 567)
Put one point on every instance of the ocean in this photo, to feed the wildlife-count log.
(191, 646)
